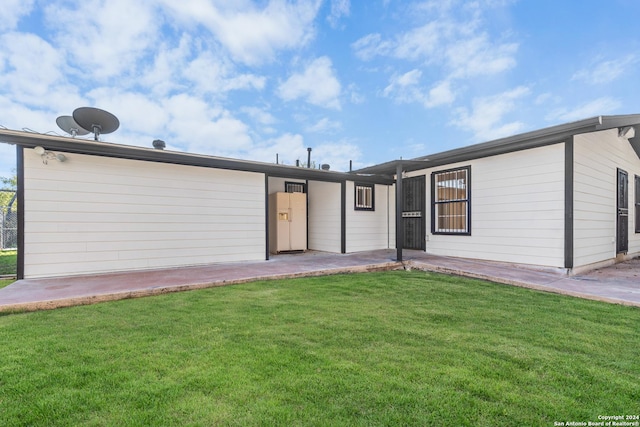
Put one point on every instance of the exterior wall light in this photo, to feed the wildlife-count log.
(49, 155)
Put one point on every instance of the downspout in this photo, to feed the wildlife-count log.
(399, 224)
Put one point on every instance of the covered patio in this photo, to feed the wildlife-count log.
(618, 284)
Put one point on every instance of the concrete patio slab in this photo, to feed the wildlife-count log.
(617, 284)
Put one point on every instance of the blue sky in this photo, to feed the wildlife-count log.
(367, 81)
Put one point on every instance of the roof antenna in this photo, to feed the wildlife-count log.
(67, 124)
(96, 120)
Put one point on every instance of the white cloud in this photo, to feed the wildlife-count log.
(291, 147)
(406, 88)
(370, 46)
(161, 76)
(325, 125)
(454, 42)
(32, 73)
(107, 37)
(203, 128)
(337, 155)
(259, 115)
(354, 94)
(478, 56)
(317, 84)
(339, 8)
(11, 12)
(288, 148)
(213, 74)
(252, 35)
(422, 43)
(597, 107)
(485, 118)
(137, 112)
(29, 64)
(606, 71)
(440, 94)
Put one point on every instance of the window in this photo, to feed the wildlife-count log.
(637, 203)
(295, 187)
(364, 200)
(451, 201)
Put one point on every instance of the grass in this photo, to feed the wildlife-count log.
(393, 348)
(8, 262)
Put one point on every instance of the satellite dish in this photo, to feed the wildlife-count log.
(96, 120)
(67, 124)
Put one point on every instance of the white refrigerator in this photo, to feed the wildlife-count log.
(287, 222)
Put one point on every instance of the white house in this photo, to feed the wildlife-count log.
(109, 207)
(567, 196)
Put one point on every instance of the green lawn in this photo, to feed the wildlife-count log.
(8, 262)
(392, 348)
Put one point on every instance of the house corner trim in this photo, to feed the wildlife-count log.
(568, 203)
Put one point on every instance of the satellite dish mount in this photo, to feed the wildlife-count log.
(67, 124)
(95, 120)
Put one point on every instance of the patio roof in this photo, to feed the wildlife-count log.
(539, 138)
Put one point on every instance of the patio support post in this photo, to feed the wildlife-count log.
(399, 225)
(568, 203)
(21, 209)
(266, 216)
(343, 217)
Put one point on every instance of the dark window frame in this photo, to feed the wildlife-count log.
(289, 184)
(466, 200)
(364, 206)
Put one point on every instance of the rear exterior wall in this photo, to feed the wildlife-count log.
(517, 209)
(370, 230)
(597, 157)
(95, 214)
(325, 208)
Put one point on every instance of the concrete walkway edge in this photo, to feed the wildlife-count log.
(619, 284)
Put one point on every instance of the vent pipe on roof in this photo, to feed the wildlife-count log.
(309, 157)
(159, 144)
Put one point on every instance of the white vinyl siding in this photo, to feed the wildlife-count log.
(517, 210)
(324, 216)
(95, 214)
(371, 230)
(597, 156)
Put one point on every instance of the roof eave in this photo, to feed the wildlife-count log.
(130, 152)
(524, 141)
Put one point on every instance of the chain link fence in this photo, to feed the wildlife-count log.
(9, 223)
(9, 231)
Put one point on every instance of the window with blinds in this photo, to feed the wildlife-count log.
(451, 201)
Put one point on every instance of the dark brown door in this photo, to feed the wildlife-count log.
(413, 212)
(622, 221)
